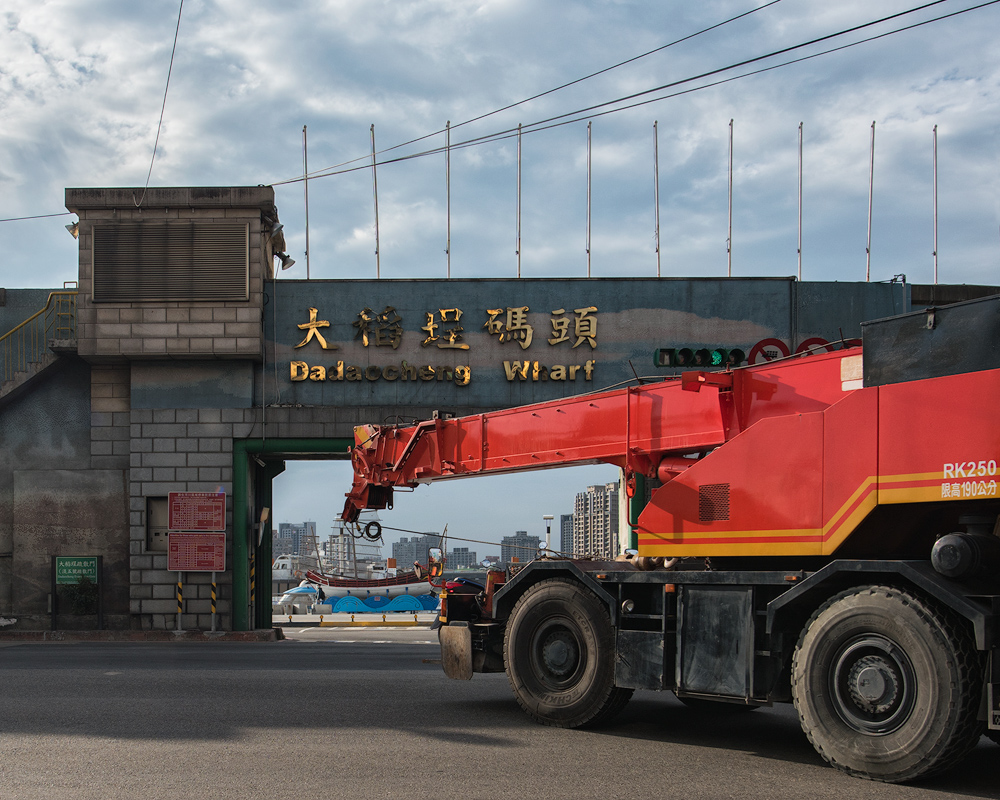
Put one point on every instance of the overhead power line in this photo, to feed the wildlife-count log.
(460, 538)
(159, 125)
(747, 62)
(329, 171)
(616, 66)
(560, 121)
(575, 116)
(36, 216)
(549, 91)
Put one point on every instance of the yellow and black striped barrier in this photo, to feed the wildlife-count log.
(180, 599)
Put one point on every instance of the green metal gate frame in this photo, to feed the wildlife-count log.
(244, 539)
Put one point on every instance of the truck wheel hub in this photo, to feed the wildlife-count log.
(873, 686)
(559, 653)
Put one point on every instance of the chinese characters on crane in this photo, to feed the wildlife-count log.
(964, 483)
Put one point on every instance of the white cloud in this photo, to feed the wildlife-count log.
(81, 88)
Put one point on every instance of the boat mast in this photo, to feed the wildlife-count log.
(319, 559)
(354, 553)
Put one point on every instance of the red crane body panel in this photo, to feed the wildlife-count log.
(761, 489)
(797, 484)
(939, 439)
(850, 465)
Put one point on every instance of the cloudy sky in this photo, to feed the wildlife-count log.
(82, 87)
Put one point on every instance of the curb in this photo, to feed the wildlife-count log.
(266, 635)
(364, 620)
(359, 624)
(386, 624)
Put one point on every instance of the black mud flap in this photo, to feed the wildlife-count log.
(456, 650)
(993, 691)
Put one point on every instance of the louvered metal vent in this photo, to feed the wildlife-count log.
(172, 261)
(713, 502)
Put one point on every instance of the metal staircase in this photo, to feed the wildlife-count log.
(34, 346)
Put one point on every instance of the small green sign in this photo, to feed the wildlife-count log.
(70, 569)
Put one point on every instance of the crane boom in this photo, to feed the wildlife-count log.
(655, 430)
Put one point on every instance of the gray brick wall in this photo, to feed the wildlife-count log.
(175, 450)
(109, 417)
(179, 450)
(230, 329)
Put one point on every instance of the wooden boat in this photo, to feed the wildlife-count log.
(388, 586)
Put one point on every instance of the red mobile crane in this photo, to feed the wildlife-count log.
(825, 533)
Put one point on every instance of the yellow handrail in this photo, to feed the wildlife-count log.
(29, 342)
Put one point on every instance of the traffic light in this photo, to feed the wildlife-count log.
(702, 358)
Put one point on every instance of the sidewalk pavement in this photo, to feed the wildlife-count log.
(263, 635)
(272, 634)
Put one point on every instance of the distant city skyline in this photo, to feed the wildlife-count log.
(479, 512)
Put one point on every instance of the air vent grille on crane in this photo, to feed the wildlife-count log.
(713, 502)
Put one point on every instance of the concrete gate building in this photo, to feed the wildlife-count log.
(180, 364)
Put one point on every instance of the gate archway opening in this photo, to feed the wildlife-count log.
(256, 463)
(479, 512)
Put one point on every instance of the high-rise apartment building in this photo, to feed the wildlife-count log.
(520, 546)
(566, 533)
(595, 522)
(462, 558)
(408, 550)
(297, 533)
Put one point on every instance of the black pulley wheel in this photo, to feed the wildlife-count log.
(887, 686)
(559, 653)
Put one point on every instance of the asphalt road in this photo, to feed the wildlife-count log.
(347, 713)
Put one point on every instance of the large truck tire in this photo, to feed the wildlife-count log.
(559, 655)
(886, 686)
